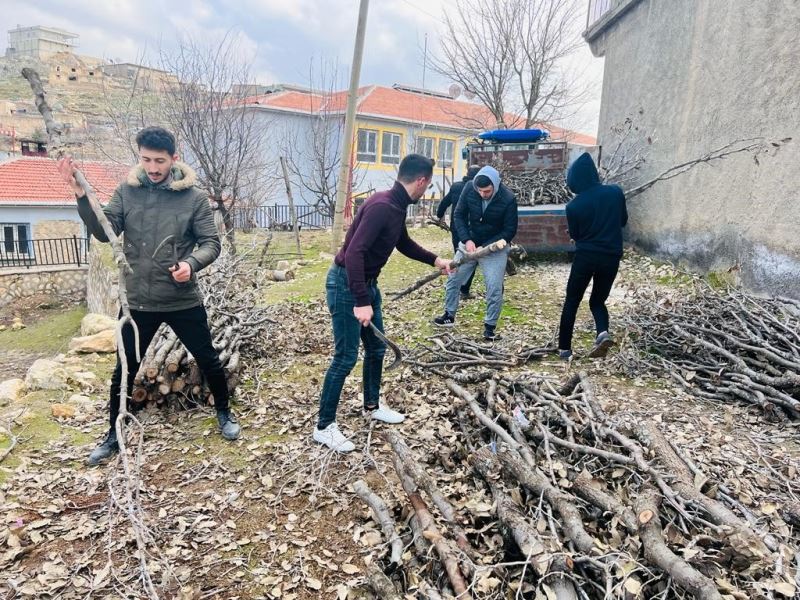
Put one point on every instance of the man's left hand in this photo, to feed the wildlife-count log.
(444, 265)
(181, 272)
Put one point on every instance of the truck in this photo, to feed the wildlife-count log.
(534, 168)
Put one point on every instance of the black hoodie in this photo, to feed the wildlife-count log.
(597, 214)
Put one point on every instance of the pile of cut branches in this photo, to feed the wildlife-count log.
(536, 187)
(719, 345)
(539, 493)
(169, 375)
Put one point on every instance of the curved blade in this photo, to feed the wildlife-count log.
(398, 355)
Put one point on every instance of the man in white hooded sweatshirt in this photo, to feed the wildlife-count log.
(486, 213)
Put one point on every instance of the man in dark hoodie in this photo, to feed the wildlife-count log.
(486, 213)
(450, 201)
(354, 299)
(595, 218)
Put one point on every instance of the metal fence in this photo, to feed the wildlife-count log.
(277, 217)
(598, 8)
(44, 252)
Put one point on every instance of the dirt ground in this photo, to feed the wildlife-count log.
(273, 515)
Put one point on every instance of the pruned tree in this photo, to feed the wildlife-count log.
(313, 151)
(220, 137)
(511, 55)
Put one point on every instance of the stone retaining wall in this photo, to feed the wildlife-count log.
(62, 282)
(101, 284)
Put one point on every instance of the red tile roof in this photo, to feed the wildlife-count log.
(30, 180)
(389, 103)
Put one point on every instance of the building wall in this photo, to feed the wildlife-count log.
(380, 175)
(695, 75)
(45, 222)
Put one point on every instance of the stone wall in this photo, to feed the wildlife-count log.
(61, 282)
(101, 283)
(696, 76)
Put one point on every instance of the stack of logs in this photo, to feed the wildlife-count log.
(535, 187)
(530, 489)
(169, 375)
(729, 346)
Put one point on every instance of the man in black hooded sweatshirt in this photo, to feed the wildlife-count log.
(595, 218)
(450, 201)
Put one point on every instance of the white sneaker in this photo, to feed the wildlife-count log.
(385, 414)
(333, 438)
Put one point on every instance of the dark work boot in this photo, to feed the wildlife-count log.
(489, 332)
(105, 450)
(228, 424)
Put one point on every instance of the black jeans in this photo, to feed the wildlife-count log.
(602, 268)
(348, 334)
(191, 327)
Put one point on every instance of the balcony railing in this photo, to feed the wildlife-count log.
(44, 253)
(598, 8)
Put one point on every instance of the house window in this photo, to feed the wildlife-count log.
(425, 146)
(390, 148)
(15, 238)
(446, 150)
(367, 150)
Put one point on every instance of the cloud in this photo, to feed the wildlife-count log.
(280, 37)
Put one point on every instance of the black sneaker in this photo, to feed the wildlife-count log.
(446, 320)
(489, 333)
(106, 450)
(228, 425)
(602, 345)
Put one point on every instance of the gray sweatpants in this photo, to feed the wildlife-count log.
(493, 268)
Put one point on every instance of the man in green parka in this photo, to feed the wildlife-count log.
(169, 235)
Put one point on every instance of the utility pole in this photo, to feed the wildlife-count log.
(349, 126)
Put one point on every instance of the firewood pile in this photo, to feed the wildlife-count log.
(726, 346)
(169, 375)
(466, 361)
(532, 489)
(535, 187)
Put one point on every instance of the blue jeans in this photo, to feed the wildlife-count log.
(347, 334)
(493, 268)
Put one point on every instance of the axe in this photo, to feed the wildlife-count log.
(398, 355)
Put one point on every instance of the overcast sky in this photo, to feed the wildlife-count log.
(281, 36)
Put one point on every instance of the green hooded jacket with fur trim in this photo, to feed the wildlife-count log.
(148, 213)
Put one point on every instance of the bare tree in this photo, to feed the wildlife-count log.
(510, 54)
(126, 107)
(313, 152)
(221, 138)
(476, 52)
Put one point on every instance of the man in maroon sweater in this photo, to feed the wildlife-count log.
(354, 299)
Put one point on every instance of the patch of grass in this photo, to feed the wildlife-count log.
(674, 280)
(39, 429)
(720, 280)
(48, 335)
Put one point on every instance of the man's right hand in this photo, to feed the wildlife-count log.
(67, 170)
(470, 246)
(363, 314)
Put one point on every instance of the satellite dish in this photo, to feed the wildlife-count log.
(469, 94)
(454, 90)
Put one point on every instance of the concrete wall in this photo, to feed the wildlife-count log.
(705, 73)
(45, 221)
(102, 281)
(63, 282)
